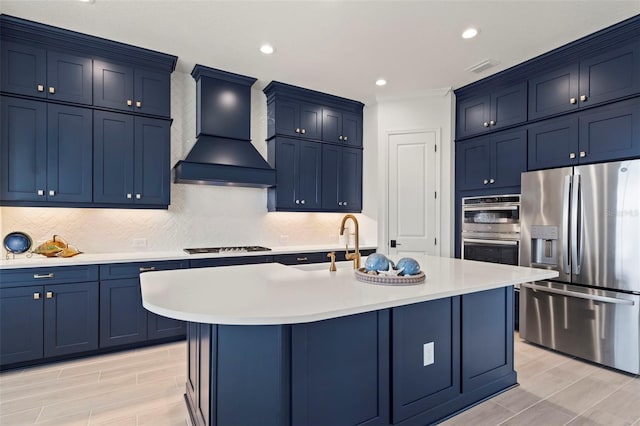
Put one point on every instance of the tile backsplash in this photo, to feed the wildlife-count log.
(199, 215)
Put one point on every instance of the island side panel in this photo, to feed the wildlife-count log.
(425, 344)
(340, 371)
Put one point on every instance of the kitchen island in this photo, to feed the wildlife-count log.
(276, 345)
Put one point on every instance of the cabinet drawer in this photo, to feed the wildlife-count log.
(230, 261)
(42, 276)
(132, 270)
(301, 258)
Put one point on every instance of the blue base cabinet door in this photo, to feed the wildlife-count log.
(70, 318)
(487, 337)
(426, 362)
(123, 319)
(21, 324)
(340, 371)
(159, 327)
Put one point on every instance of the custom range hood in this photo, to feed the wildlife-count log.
(223, 153)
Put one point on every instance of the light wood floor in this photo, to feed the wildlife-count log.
(145, 387)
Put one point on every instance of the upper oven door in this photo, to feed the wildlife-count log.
(492, 217)
(487, 250)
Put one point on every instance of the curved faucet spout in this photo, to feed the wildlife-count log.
(356, 255)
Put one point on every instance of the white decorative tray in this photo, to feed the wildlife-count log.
(362, 275)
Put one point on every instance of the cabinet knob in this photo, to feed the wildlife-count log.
(301, 201)
(36, 296)
(572, 155)
(492, 180)
(583, 98)
(52, 90)
(297, 201)
(492, 123)
(129, 102)
(49, 295)
(41, 192)
(573, 101)
(138, 196)
(138, 104)
(339, 203)
(583, 154)
(344, 203)
(297, 130)
(52, 193)
(129, 196)
(345, 138)
(340, 137)
(485, 124)
(40, 88)
(486, 181)
(303, 131)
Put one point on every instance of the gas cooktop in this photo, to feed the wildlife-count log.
(240, 249)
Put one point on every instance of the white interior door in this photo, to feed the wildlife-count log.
(413, 182)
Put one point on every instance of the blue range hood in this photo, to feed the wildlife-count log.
(223, 153)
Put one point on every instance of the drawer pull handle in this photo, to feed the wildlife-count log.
(38, 276)
(302, 259)
(49, 295)
(147, 269)
(36, 296)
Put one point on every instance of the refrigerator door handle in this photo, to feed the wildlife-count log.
(566, 225)
(575, 231)
(593, 297)
(580, 227)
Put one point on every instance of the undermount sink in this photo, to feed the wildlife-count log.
(347, 264)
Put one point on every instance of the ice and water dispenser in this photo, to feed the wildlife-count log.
(544, 245)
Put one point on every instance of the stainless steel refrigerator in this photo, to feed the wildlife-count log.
(584, 222)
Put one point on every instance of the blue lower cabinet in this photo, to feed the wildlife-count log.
(70, 318)
(426, 363)
(21, 324)
(340, 371)
(487, 338)
(123, 320)
(159, 327)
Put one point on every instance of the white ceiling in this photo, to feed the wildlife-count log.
(338, 47)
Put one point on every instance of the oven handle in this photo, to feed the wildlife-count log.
(479, 208)
(493, 242)
(578, 295)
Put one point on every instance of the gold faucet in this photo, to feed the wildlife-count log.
(356, 255)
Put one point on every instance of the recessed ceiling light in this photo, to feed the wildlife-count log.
(470, 33)
(381, 82)
(267, 49)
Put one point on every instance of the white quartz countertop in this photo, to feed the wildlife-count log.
(276, 294)
(38, 261)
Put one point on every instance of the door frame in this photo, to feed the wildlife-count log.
(384, 159)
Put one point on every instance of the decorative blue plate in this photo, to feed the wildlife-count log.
(17, 242)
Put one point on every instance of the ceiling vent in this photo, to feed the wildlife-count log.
(482, 66)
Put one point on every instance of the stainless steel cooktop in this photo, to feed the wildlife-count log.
(239, 249)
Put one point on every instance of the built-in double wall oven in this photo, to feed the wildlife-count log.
(491, 231)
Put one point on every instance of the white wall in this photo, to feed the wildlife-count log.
(430, 110)
(199, 215)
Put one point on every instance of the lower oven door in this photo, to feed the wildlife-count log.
(598, 325)
(490, 250)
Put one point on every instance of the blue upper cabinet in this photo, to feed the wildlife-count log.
(595, 79)
(611, 132)
(47, 155)
(295, 118)
(126, 88)
(341, 178)
(494, 161)
(298, 175)
(131, 161)
(501, 107)
(341, 127)
(34, 71)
